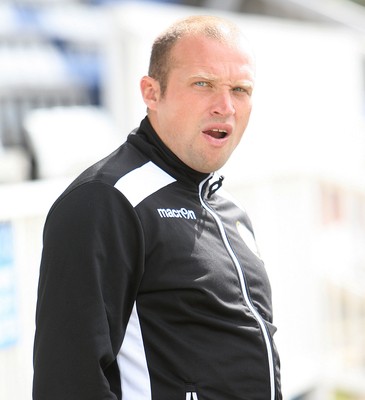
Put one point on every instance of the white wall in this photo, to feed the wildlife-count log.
(23, 206)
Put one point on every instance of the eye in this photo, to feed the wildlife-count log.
(240, 89)
(201, 84)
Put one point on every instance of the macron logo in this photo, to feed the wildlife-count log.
(173, 213)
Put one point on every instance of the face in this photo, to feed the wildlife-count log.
(207, 104)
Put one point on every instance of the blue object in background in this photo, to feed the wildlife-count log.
(8, 298)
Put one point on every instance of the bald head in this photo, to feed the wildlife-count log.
(216, 28)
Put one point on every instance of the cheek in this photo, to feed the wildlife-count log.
(243, 117)
(176, 115)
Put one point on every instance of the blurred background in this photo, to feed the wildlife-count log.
(69, 94)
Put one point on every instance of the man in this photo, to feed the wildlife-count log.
(147, 288)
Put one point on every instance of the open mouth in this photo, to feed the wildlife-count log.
(216, 133)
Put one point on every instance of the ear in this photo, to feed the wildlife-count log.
(150, 89)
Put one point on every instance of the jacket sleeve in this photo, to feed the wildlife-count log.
(91, 267)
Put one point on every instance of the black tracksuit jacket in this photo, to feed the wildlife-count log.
(150, 287)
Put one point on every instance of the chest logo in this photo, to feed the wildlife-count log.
(176, 213)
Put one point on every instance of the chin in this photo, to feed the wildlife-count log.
(207, 170)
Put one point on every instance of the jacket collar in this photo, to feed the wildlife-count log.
(148, 141)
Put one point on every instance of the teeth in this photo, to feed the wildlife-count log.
(219, 130)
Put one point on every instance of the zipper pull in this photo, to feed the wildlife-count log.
(191, 396)
(215, 186)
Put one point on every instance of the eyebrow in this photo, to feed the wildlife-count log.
(205, 77)
(246, 84)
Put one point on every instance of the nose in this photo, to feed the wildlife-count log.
(222, 104)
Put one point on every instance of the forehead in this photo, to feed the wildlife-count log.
(200, 52)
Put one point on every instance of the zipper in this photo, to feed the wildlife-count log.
(244, 289)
